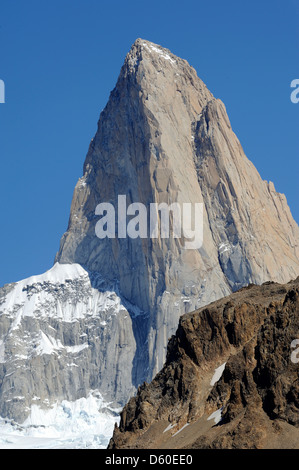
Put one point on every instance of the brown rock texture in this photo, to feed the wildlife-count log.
(249, 333)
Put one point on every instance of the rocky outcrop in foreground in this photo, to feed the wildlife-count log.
(231, 378)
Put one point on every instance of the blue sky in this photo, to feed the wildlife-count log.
(60, 60)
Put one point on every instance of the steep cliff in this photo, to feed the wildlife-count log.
(163, 137)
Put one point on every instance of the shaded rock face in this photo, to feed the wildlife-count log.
(250, 334)
(162, 138)
(245, 214)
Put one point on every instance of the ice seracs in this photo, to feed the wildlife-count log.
(83, 423)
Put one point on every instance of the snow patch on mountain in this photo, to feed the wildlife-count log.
(216, 416)
(218, 374)
(160, 51)
(64, 292)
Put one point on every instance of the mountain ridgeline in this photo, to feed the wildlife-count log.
(101, 318)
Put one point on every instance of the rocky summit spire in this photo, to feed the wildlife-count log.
(162, 138)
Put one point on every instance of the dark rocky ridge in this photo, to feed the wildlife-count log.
(252, 331)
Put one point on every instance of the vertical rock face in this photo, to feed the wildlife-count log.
(162, 138)
(251, 224)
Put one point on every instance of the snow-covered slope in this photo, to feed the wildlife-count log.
(55, 293)
(58, 332)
